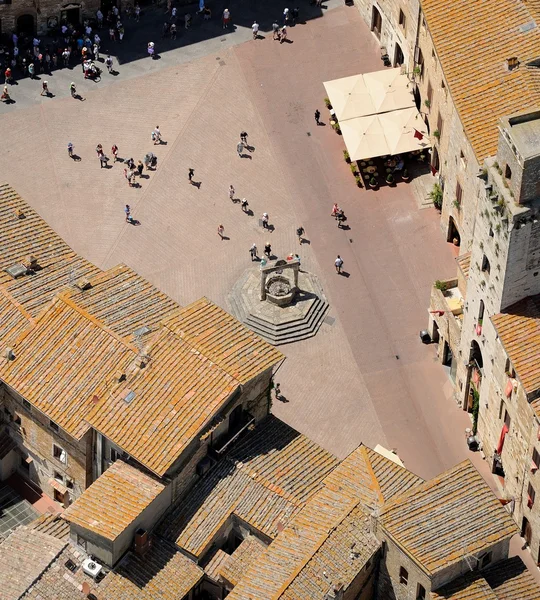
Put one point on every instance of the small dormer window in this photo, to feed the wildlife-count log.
(512, 63)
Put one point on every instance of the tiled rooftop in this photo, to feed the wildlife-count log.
(114, 500)
(331, 530)
(267, 479)
(518, 328)
(504, 580)
(52, 525)
(13, 319)
(224, 340)
(24, 555)
(473, 60)
(446, 518)
(464, 263)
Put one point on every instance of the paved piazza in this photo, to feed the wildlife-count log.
(366, 377)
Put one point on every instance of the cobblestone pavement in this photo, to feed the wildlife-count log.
(366, 377)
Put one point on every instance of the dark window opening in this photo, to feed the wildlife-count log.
(481, 309)
(531, 494)
(376, 22)
(440, 124)
(485, 560)
(114, 455)
(27, 405)
(508, 172)
(403, 576)
(485, 265)
(507, 419)
(421, 592)
(53, 425)
(402, 19)
(535, 459)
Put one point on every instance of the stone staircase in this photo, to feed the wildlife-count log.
(279, 325)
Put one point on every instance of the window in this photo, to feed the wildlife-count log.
(69, 484)
(508, 172)
(114, 455)
(402, 19)
(481, 309)
(485, 265)
(507, 419)
(491, 232)
(420, 592)
(462, 158)
(459, 191)
(403, 576)
(53, 425)
(508, 369)
(501, 408)
(443, 85)
(485, 559)
(59, 477)
(530, 496)
(17, 419)
(440, 124)
(27, 405)
(60, 454)
(535, 460)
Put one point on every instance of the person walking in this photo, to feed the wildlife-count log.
(45, 89)
(156, 135)
(31, 71)
(264, 220)
(286, 16)
(191, 172)
(245, 205)
(127, 210)
(335, 210)
(221, 231)
(140, 168)
(73, 90)
(255, 29)
(268, 249)
(300, 232)
(108, 63)
(253, 252)
(173, 31)
(114, 152)
(226, 18)
(277, 391)
(318, 117)
(240, 149)
(8, 75)
(231, 193)
(275, 31)
(243, 138)
(283, 35)
(341, 218)
(338, 263)
(137, 12)
(70, 150)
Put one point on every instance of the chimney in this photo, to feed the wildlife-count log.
(10, 355)
(19, 213)
(141, 542)
(31, 262)
(119, 376)
(83, 283)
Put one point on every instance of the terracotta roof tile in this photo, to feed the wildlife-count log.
(473, 41)
(267, 479)
(224, 340)
(449, 516)
(24, 555)
(518, 328)
(510, 580)
(13, 319)
(172, 399)
(241, 559)
(52, 525)
(161, 574)
(465, 588)
(215, 564)
(114, 500)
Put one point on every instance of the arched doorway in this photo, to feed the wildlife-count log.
(453, 232)
(526, 530)
(376, 22)
(26, 24)
(399, 59)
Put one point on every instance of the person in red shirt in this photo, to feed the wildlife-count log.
(9, 76)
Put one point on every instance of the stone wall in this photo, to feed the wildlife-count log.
(531, 475)
(42, 11)
(35, 438)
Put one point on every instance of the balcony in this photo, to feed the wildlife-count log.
(446, 305)
(240, 425)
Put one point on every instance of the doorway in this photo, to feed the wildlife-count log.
(453, 233)
(26, 24)
(71, 16)
(376, 22)
(399, 59)
(526, 530)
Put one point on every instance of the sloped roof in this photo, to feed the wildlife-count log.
(124, 301)
(61, 362)
(518, 328)
(504, 580)
(52, 525)
(224, 340)
(174, 396)
(291, 566)
(114, 500)
(24, 555)
(13, 319)
(446, 518)
(473, 41)
(240, 560)
(268, 478)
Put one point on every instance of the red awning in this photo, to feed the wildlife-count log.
(500, 445)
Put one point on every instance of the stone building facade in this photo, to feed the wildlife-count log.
(40, 16)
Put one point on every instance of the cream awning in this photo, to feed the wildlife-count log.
(370, 94)
(377, 114)
(388, 133)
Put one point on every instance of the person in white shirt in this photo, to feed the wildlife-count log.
(99, 16)
(255, 29)
(226, 18)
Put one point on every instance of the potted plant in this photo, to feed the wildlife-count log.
(327, 103)
(358, 181)
(346, 156)
(389, 179)
(437, 134)
(441, 285)
(436, 196)
(336, 128)
(373, 183)
(405, 175)
(354, 168)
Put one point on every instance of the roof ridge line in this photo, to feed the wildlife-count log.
(9, 297)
